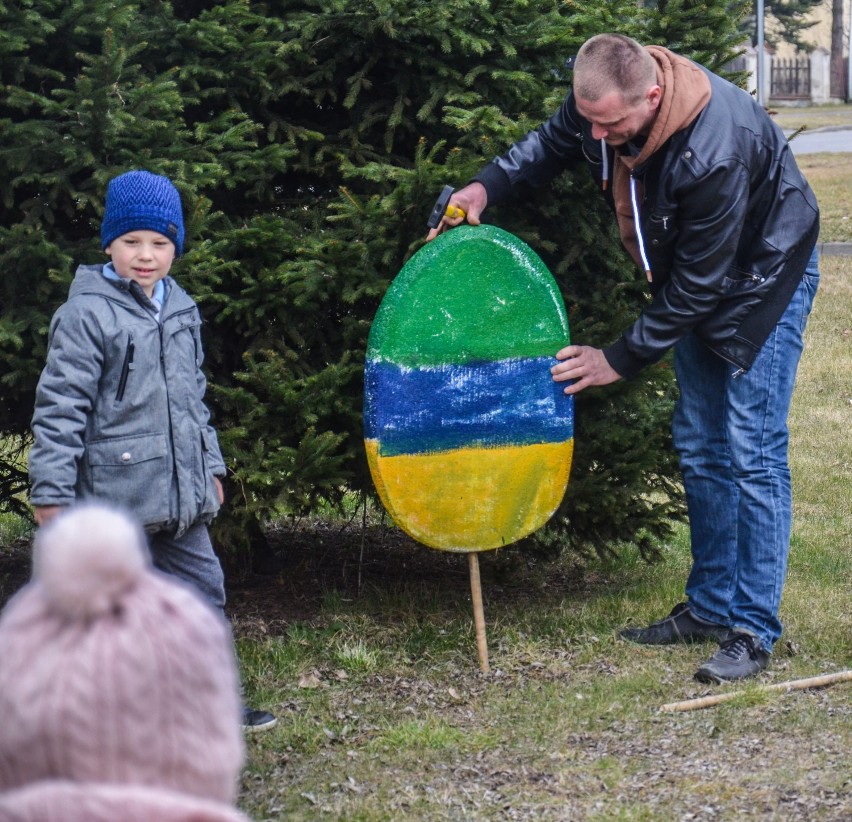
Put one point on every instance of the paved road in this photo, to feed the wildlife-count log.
(824, 139)
(835, 249)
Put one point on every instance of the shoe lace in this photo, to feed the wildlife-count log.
(678, 609)
(737, 646)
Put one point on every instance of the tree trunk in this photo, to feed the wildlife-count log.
(837, 68)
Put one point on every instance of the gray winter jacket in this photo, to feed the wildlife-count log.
(120, 411)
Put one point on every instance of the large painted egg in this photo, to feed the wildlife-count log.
(468, 438)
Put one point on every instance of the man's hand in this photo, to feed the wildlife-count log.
(472, 199)
(586, 365)
(220, 491)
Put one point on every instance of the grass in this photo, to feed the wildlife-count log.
(830, 176)
(385, 716)
(791, 118)
(12, 528)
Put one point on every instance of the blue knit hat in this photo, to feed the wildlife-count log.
(140, 200)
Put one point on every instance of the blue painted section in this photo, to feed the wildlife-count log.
(442, 407)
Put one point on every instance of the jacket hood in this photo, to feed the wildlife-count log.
(686, 91)
(89, 279)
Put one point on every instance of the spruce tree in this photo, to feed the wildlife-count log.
(704, 32)
(785, 21)
(309, 140)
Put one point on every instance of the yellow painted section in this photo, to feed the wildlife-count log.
(472, 499)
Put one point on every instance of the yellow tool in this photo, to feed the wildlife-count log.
(442, 208)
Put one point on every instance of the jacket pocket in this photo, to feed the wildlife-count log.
(132, 472)
(661, 230)
(659, 234)
(739, 281)
(126, 368)
(208, 495)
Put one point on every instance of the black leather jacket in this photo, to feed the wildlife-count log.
(728, 221)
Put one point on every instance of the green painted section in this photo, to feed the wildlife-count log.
(474, 293)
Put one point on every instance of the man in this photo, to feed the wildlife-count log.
(710, 203)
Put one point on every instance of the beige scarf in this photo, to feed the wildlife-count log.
(686, 91)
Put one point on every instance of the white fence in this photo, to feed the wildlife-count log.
(803, 79)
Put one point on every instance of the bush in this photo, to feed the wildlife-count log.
(309, 140)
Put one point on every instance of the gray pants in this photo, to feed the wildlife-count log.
(191, 558)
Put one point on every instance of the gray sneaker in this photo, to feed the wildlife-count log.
(739, 657)
(681, 625)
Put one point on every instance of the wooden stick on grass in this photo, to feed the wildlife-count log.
(792, 685)
(478, 613)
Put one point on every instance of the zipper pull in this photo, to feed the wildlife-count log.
(637, 225)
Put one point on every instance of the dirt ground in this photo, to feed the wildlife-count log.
(307, 565)
(348, 560)
(15, 568)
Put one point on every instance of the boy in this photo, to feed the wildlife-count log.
(120, 411)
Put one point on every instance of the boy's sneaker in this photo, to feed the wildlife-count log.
(254, 721)
(739, 656)
(681, 625)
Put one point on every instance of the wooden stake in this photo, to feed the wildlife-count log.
(792, 685)
(478, 613)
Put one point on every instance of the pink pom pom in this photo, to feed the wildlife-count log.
(87, 558)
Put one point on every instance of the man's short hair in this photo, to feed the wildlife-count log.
(613, 62)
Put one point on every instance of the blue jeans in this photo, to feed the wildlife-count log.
(731, 434)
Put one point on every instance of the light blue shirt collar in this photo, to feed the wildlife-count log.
(159, 287)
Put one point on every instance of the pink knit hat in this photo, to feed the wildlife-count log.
(113, 674)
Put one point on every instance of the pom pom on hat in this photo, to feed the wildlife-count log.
(114, 673)
(140, 200)
(86, 562)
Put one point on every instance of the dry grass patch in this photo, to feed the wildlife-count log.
(830, 176)
(821, 460)
(385, 716)
(813, 117)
